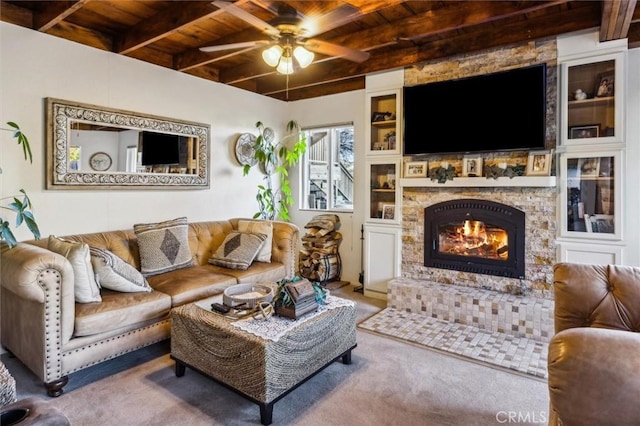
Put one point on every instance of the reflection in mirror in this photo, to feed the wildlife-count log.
(90, 146)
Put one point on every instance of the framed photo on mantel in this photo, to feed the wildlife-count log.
(539, 163)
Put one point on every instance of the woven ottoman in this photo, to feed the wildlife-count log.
(261, 360)
(7, 386)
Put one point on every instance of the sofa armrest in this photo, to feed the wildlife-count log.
(591, 384)
(286, 239)
(38, 306)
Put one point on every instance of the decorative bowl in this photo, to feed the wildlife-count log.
(249, 294)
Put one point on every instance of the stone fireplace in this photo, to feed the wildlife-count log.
(478, 236)
(528, 216)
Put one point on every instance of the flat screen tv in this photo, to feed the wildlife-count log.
(503, 111)
(160, 149)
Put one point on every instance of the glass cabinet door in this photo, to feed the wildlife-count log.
(384, 115)
(591, 108)
(383, 203)
(591, 192)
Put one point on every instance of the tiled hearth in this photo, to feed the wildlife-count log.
(505, 330)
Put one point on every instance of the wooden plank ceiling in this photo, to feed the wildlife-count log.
(395, 34)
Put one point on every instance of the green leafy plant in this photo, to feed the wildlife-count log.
(442, 174)
(22, 206)
(494, 172)
(278, 158)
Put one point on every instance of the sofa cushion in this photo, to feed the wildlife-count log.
(119, 310)
(164, 246)
(259, 227)
(190, 284)
(116, 274)
(86, 288)
(256, 273)
(238, 250)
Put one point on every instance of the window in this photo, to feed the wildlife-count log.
(326, 170)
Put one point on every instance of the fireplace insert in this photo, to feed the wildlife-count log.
(476, 236)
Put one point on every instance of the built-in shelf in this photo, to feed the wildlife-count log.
(482, 182)
(591, 101)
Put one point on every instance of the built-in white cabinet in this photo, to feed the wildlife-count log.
(591, 150)
(383, 198)
(596, 254)
(384, 111)
(592, 109)
(590, 187)
(382, 251)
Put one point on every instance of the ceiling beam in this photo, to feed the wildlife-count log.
(165, 23)
(52, 13)
(16, 15)
(616, 19)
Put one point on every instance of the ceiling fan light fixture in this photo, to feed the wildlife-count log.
(303, 56)
(272, 55)
(286, 65)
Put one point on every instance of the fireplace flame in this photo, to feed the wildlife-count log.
(472, 238)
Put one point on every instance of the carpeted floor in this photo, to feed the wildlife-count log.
(390, 382)
(523, 355)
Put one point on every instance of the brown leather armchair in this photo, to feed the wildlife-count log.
(594, 357)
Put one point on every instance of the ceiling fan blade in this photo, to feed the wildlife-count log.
(247, 17)
(337, 17)
(231, 46)
(331, 49)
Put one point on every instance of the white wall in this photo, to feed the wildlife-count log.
(35, 66)
(327, 110)
(631, 200)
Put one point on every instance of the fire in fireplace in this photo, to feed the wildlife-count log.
(475, 236)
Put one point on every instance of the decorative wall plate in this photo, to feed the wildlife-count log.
(245, 150)
(100, 161)
(268, 134)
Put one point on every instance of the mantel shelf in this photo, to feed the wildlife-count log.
(482, 182)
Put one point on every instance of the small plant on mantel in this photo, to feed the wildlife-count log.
(21, 207)
(495, 171)
(443, 174)
(276, 157)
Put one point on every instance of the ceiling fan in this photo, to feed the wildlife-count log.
(290, 34)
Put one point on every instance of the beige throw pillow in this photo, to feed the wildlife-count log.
(164, 246)
(85, 286)
(259, 227)
(238, 250)
(115, 274)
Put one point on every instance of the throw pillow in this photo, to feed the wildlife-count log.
(115, 274)
(259, 227)
(238, 250)
(85, 287)
(164, 246)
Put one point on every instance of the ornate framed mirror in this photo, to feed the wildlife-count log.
(93, 147)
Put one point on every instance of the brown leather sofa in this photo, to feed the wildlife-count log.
(41, 321)
(594, 357)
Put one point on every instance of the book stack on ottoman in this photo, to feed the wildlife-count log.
(320, 257)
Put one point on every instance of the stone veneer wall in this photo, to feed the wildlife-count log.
(485, 62)
(539, 205)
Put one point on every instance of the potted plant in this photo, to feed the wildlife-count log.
(276, 157)
(20, 206)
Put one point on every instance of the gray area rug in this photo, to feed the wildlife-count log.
(389, 382)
